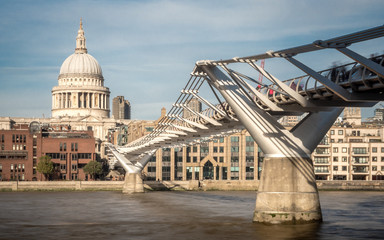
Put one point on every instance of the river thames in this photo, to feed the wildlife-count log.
(178, 215)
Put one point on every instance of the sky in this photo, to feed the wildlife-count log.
(147, 49)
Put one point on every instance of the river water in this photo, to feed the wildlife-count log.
(178, 215)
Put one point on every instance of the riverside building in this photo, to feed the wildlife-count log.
(23, 145)
(351, 150)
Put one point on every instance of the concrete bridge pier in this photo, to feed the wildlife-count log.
(287, 192)
(133, 183)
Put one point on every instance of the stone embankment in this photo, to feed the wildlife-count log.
(206, 185)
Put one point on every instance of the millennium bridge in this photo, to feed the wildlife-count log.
(287, 191)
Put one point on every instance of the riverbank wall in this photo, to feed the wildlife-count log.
(193, 185)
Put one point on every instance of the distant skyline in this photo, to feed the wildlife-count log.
(147, 49)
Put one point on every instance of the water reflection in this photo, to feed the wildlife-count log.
(178, 215)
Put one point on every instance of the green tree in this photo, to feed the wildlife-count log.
(45, 166)
(93, 168)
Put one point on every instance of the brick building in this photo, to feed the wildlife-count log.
(23, 145)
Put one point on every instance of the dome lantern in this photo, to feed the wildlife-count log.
(80, 40)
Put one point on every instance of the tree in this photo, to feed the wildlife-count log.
(45, 166)
(93, 168)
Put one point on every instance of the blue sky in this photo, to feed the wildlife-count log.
(147, 49)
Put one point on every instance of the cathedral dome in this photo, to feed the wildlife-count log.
(80, 63)
(81, 91)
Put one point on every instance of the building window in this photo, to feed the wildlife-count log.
(221, 140)
(204, 149)
(225, 173)
(63, 156)
(335, 168)
(344, 168)
(335, 149)
(359, 150)
(197, 173)
(189, 173)
(249, 148)
(235, 149)
(234, 139)
(74, 147)
(322, 150)
(63, 147)
(382, 159)
(374, 149)
(249, 139)
(194, 159)
(374, 168)
(374, 159)
(234, 159)
(343, 159)
(382, 149)
(63, 167)
(215, 149)
(74, 167)
(332, 132)
(340, 132)
(194, 149)
(340, 140)
(335, 159)
(321, 169)
(321, 159)
(382, 168)
(344, 149)
(221, 149)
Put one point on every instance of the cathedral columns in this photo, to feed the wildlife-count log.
(86, 100)
(60, 100)
(65, 100)
(93, 100)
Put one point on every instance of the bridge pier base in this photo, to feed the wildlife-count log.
(133, 183)
(287, 192)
